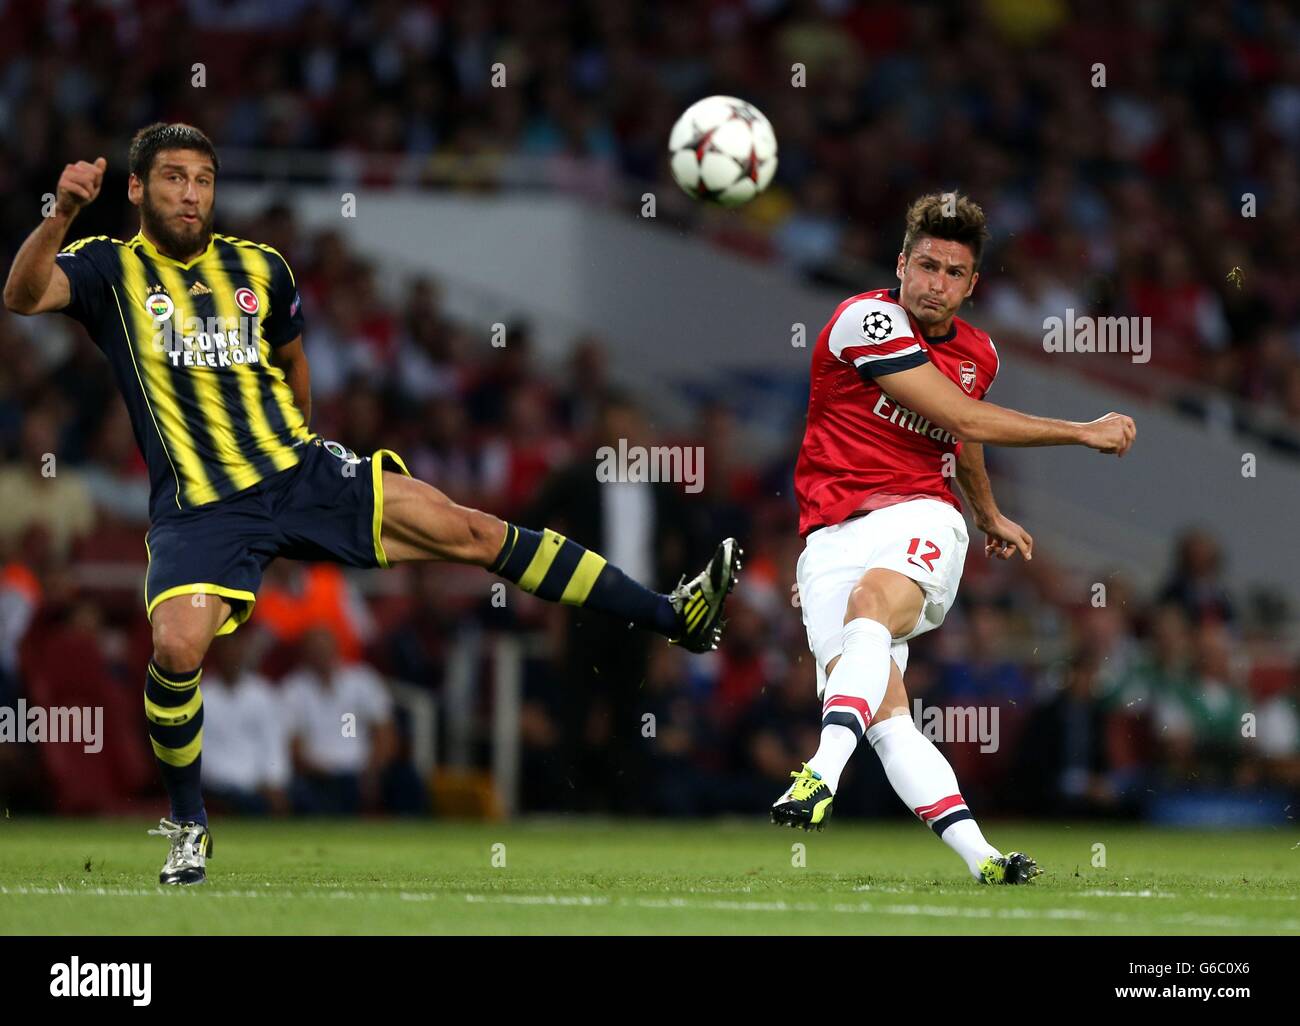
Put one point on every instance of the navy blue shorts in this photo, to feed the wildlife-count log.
(327, 508)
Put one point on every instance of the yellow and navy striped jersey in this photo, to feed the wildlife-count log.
(189, 344)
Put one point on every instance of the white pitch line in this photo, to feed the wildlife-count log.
(374, 889)
(687, 904)
(538, 899)
(934, 911)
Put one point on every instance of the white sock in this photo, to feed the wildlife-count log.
(922, 778)
(854, 691)
(838, 743)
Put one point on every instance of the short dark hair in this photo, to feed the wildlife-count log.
(929, 216)
(153, 139)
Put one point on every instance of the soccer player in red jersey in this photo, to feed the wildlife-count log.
(894, 414)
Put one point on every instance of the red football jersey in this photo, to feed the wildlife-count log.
(862, 450)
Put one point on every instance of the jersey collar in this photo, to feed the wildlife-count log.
(929, 339)
(151, 251)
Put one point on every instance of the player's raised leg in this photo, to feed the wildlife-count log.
(421, 523)
(183, 628)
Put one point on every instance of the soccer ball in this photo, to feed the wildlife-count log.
(723, 150)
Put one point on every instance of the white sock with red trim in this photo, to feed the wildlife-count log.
(921, 776)
(854, 691)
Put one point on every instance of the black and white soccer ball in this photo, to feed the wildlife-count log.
(723, 150)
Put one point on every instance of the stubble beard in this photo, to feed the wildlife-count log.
(176, 243)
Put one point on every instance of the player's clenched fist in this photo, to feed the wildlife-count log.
(78, 185)
(1113, 433)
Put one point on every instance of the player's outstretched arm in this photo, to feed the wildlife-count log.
(927, 391)
(1003, 536)
(36, 283)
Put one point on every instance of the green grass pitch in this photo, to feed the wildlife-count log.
(612, 877)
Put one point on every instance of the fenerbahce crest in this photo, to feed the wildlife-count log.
(159, 305)
(340, 451)
(967, 369)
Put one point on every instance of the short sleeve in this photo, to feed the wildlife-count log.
(876, 338)
(284, 323)
(997, 366)
(86, 265)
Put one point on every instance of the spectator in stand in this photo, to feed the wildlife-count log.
(377, 327)
(342, 735)
(639, 526)
(780, 725)
(1165, 667)
(20, 597)
(1216, 705)
(362, 418)
(415, 650)
(676, 785)
(298, 596)
(1065, 765)
(586, 382)
(431, 367)
(809, 240)
(63, 662)
(728, 482)
(117, 476)
(1026, 293)
(1186, 316)
(40, 488)
(246, 762)
(747, 664)
(1278, 733)
(986, 673)
(509, 366)
(516, 461)
(444, 452)
(1195, 703)
(1196, 583)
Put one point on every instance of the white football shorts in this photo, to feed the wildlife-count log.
(924, 539)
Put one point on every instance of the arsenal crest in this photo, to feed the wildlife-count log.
(967, 369)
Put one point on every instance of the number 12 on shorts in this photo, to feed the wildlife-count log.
(927, 557)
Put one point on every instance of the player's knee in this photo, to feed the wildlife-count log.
(868, 601)
(894, 603)
(177, 656)
(177, 649)
(483, 536)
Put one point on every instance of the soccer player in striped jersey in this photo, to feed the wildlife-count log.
(204, 335)
(895, 412)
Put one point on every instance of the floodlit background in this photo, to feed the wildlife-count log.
(541, 213)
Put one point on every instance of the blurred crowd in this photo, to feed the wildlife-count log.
(1124, 198)
(1134, 159)
(1103, 705)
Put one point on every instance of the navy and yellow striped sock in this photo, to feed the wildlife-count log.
(173, 709)
(555, 568)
